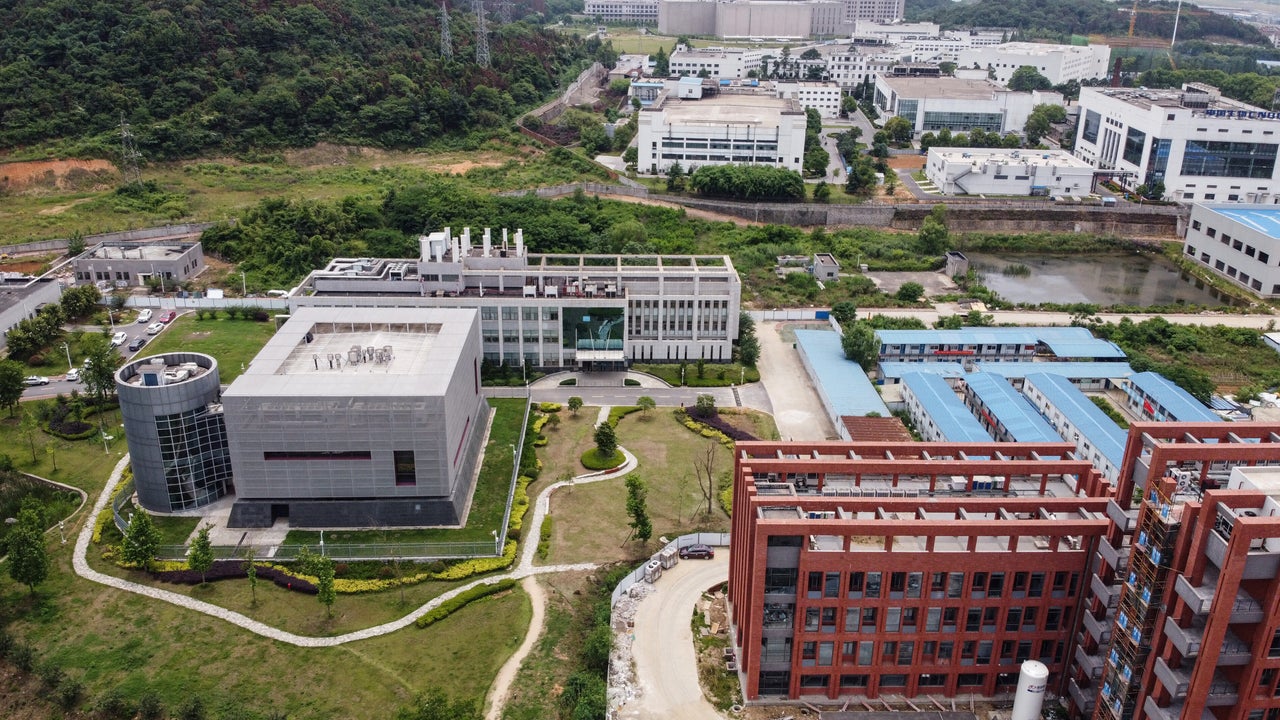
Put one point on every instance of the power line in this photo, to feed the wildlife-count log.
(504, 12)
(128, 153)
(482, 36)
(446, 39)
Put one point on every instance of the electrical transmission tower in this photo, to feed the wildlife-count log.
(446, 39)
(128, 154)
(505, 10)
(482, 36)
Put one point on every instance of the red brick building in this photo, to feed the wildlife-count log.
(907, 568)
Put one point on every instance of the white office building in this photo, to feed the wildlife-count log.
(1202, 146)
(851, 65)
(873, 11)
(934, 103)
(1058, 63)
(821, 96)
(1238, 242)
(727, 63)
(622, 11)
(720, 130)
(981, 171)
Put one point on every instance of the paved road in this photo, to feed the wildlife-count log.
(666, 668)
(796, 407)
(1025, 317)
(58, 384)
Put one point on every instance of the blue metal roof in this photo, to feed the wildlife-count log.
(1068, 342)
(1100, 430)
(1067, 369)
(1010, 409)
(898, 368)
(840, 381)
(1178, 404)
(952, 418)
(1263, 218)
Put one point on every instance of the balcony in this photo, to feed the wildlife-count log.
(1173, 712)
(1090, 664)
(1117, 558)
(1086, 699)
(1186, 640)
(1258, 565)
(1099, 629)
(1106, 594)
(1197, 598)
(1222, 692)
(1244, 609)
(1126, 520)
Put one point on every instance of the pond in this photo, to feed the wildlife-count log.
(1101, 279)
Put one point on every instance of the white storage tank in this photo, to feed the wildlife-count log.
(1029, 697)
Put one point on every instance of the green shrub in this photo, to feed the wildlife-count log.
(620, 411)
(544, 539)
(569, 381)
(461, 600)
(519, 506)
(591, 460)
(631, 382)
(726, 499)
(550, 407)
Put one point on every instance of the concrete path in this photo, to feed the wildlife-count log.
(666, 667)
(795, 404)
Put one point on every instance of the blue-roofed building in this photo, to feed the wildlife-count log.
(891, 371)
(1077, 420)
(1237, 242)
(938, 414)
(995, 344)
(845, 390)
(1003, 411)
(1152, 396)
(1086, 375)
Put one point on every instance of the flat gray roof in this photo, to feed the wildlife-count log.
(359, 352)
(761, 110)
(944, 87)
(140, 251)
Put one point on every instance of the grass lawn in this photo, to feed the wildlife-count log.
(233, 343)
(713, 374)
(112, 640)
(174, 529)
(488, 505)
(591, 520)
(756, 423)
(80, 463)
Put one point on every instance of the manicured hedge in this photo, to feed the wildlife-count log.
(233, 570)
(591, 460)
(461, 600)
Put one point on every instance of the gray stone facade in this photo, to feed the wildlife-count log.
(129, 264)
(175, 429)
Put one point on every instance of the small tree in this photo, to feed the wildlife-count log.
(29, 430)
(201, 556)
(141, 541)
(646, 403)
(553, 421)
(910, 292)
(28, 556)
(12, 384)
(575, 404)
(75, 244)
(705, 405)
(822, 192)
(606, 441)
(637, 508)
(324, 583)
(844, 312)
(860, 344)
(251, 572)
(748, 343)
(704, 467)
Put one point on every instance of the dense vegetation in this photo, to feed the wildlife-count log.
(232, 74)
(1059, 19)
(1252, 88)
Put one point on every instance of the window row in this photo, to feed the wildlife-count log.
(911, 585)
(910, 653)
(914, 619)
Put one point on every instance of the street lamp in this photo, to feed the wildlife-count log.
(497, 547)
(244, 287)
(66, 348)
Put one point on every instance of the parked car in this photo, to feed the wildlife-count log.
(73, 375)
(137, 344)
(702, 552)
(154, 328)
(168, 317)
(144, 317)
(37, 380)
(119, 339)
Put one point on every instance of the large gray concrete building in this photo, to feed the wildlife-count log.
(174, 423)
(357, 417)
(587, 311)
(128, 264)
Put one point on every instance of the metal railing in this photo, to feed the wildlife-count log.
(712, 539)
(516, 457)
(344, 552)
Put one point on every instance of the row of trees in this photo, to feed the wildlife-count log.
(32, 335)
(748, 182)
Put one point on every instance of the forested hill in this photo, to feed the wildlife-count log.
(1058, 19)
(198, 75)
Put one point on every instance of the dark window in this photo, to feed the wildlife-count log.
(1134, 143)
(406, 469)
(815, 584)
(831, 585)
(1229, 159)
(1089, 131)
(318, 455)
(853, 681)
(873, 585)
(775, 682)
(780, 580)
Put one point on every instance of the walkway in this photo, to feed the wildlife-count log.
(795, 404)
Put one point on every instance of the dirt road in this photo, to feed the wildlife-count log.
(796, 407)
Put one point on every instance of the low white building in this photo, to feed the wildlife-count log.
(1058, 63)
(729, 63)
(1238, 242)
(1200, 145)
(934, 103)
(623, 11)
(981, 171)
(722, 129)
(821, 96)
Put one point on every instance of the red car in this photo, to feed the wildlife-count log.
(168, 317)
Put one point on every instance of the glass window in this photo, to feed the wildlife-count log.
(1134, 143)
(831, 587)
(873, 585)
(1229, 159)
(405, 467)
(1092, 121)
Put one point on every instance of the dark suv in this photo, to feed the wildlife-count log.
(704, 552)
(137, 344)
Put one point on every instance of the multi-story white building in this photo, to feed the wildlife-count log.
(874, 33)
(1238, 243)
(821, 96)
(730, 63)
(873, 11)
(1058, 63)
(977, 171)
(759, 19)
(623, 11)
(934, 103)
(720, 130)
(587, 311)
(852, 65)
(1200, 145)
